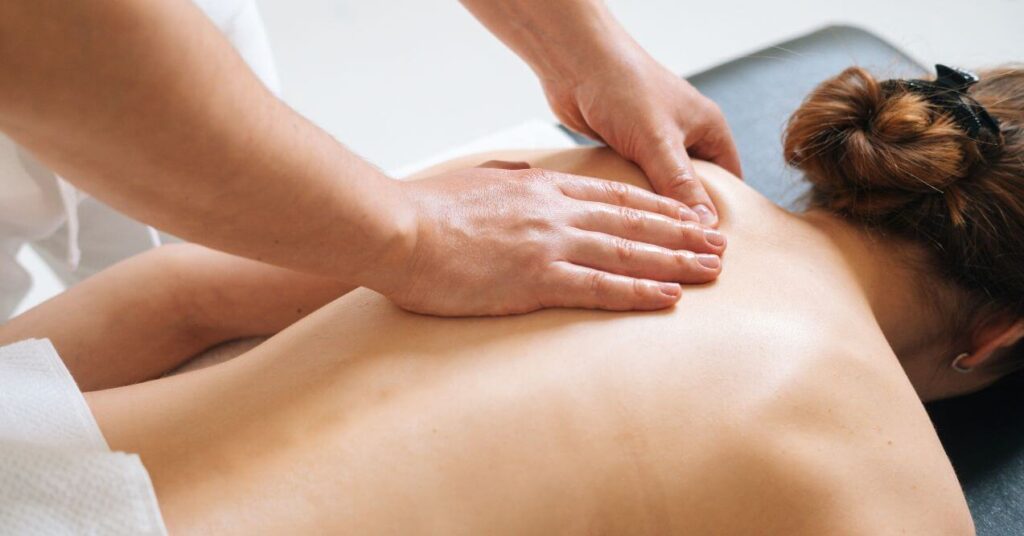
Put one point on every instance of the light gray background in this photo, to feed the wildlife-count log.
(400, 80)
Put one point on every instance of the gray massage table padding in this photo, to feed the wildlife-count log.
(758, 92)
(983, 433)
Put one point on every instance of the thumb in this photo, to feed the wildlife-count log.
(671, 174)
(719, 147)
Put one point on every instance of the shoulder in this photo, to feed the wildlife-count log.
(854, 452)
(599, 162)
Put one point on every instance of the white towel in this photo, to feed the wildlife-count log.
(57, 474)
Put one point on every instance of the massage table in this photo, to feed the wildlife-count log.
(982, 433)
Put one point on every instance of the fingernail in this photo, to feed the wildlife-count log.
(687, 214)
(706, 216)
(714, 237)
(711, 262)
(670, 289)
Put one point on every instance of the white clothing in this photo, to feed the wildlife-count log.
(57, 474)
(76, 235)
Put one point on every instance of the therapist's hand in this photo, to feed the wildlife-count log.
(508, 239)
(650, 116)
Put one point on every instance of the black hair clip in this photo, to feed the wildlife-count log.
(949, 92)
(953, 78)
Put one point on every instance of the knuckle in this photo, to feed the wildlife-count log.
(713, 108)
(537, 246)
(708, 109)
(517, 188)
(542, 192)
(691, 230)
(665, 206)
(683, 180)
(632, 219)
(668, 138)
(625, 250)
(597, 282)
(538, 175)
(683, 258)
(657, 126)
(533, 249)
(639, 290)
(617, 191)
(721, 123)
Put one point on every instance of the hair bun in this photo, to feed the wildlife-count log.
(869, 150)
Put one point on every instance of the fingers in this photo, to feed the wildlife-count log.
(572, 117)
(504, 164)
(648, 227)
(637, 259)
(671, 173)
(717, 143)
(729, 160)
(624, 195)
(728, 157)
(579, 286)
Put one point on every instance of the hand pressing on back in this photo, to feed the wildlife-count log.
(652, 117)
(505, 239)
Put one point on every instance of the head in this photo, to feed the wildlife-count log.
(887, 159)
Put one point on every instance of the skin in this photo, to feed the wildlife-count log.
(146, 106)
(183, 299)
(601, 83)
(760, 407)
(183, 296)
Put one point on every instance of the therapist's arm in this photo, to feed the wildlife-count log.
(144, 104)
(149, 314)
(601, 83)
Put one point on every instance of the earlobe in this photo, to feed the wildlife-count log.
(990, 339)
(958, 363)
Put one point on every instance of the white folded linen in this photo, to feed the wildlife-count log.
(57, 474)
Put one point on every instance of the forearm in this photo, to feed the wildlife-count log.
(148, 314)
(145, 105)
(234, 297)
(559, 39)
(127, 324)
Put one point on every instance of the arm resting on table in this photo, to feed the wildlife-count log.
(148, 314)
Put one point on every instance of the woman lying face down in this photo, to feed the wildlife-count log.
(783, 398)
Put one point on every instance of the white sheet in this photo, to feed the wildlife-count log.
(57, 474)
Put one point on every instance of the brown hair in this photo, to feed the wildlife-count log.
(886, 158)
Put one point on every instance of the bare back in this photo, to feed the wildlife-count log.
(768, 402)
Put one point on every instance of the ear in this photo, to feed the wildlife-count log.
(991, 338)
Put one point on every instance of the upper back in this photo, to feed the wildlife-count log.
(766, 402)
(796, 402)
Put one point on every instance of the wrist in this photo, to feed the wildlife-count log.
(387, 266)
(598, 62)
(596, 42)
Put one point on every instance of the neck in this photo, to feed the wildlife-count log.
(883, 268)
